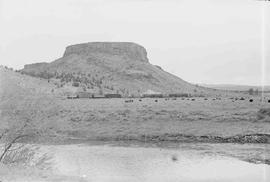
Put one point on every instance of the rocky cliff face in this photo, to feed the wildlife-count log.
(125, 49)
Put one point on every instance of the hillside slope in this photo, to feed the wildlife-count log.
(112, 67)
(24, 99)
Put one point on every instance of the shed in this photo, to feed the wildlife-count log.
(84, 94)
(152, 94)
(72, 96)
(113, 95)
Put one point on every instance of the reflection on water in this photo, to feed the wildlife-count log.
(122, 163)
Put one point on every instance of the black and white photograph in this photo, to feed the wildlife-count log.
(134, 90)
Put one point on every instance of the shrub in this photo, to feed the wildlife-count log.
(251, 91)
(75, 84)
(264, 114)
(26, 155)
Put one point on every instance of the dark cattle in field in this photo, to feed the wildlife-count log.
(193, 99)
(156, 100)
(140, 100)
(179, 95)
(242, 98)
(205, 99)
(269, 101)
(250, 100)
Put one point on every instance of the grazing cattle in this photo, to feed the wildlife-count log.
(179, 95)
(242, 98)
(193, 99)
(250, 100)
(174, 158)
(205, 99)
(140, 100)
(269, 101)
(156, 100)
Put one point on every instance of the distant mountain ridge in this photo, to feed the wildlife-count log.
(112, 67)
(235, 87)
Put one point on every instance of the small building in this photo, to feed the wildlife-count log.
(96, 96)
(152, 94)
(113, 96)
(84, 94)
(72, 97)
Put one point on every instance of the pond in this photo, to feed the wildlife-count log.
(173, 163)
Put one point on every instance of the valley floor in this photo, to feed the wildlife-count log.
(155, 120)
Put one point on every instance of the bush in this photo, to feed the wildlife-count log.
(26, 155)
(75, 84)
(264, 114)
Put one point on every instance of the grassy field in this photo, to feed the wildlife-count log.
(113, 119)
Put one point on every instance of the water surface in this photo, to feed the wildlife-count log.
(185, 162)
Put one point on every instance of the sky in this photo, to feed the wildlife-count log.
(201, 41)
